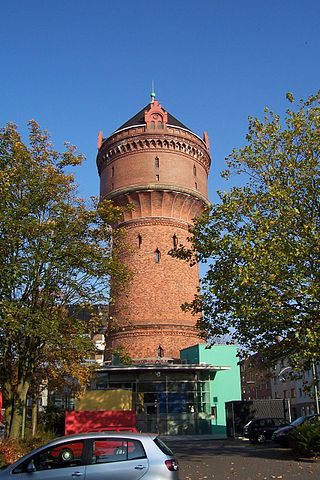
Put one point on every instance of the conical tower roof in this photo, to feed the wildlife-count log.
(139, 119)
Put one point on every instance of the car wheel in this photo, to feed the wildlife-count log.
(66, 455)
(261, 438)
(120, 451)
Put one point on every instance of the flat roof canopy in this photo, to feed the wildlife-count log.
(164, 367)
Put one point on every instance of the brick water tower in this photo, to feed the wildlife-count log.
(160, 167)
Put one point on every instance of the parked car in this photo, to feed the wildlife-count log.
(258, 430)
(96, 456)
(281, 435)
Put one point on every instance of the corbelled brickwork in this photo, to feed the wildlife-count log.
(161, 169)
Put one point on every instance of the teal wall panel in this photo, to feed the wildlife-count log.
(225, 385)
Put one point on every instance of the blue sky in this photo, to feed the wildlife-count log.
(80, 66)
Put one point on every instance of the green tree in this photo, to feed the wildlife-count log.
(262, 241)
(55, 251)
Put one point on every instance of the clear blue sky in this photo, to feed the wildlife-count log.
(80, 66)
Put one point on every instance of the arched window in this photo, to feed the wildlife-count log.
(175, 241)
(152, 125)
(157, 162)
(160, 125)
(157, 255)
(139, 240)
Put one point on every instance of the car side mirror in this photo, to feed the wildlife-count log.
(31, 467)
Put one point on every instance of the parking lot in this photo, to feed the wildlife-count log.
(238, 459)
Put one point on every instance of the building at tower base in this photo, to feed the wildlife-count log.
(185, 398)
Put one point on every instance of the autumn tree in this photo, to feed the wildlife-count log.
(55, 251)
(262, 241)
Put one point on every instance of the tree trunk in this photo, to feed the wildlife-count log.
(19, 404)
(34, 416)
(8, 402)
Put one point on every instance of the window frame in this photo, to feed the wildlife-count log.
(113, 459)
(22, 467)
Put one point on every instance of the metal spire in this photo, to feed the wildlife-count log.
(153, 93)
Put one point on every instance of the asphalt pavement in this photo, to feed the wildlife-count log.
(238, 459)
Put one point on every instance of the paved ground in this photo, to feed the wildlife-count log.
(236, 459)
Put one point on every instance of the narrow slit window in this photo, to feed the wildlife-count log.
(139, 240)
(194, 170)
(175, 241)
(157, 162)
(112, 186)
(157, 178)
(160, 352)
(157, 255)
(196, 185)
(112, 172)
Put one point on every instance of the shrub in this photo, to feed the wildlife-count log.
(305, 440)
(53, 419)
(11, 450)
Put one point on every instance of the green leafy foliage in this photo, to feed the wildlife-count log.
(121, 356)
(262, 241)
(56, 251)
(305, 440)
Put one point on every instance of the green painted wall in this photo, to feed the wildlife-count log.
(225, 385)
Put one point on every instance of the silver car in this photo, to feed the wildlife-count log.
(97, 456)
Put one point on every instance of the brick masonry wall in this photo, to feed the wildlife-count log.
(164, 177)
(175, 169)
(159, 286)
(142, 342)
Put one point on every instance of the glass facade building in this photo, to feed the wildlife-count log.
(168, 399)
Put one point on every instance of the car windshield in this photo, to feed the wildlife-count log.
(298, 421)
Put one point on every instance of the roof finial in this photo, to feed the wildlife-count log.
(153, 93)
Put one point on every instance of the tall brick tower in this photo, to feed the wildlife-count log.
(161, 167)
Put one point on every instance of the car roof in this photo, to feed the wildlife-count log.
(267, 418)
(306, 417)
(109, 434)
